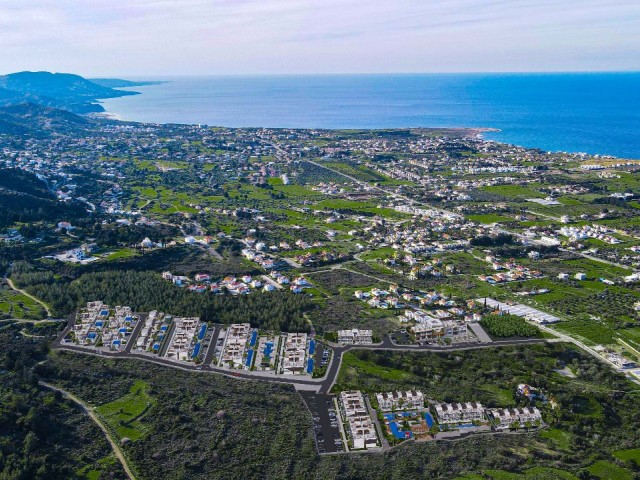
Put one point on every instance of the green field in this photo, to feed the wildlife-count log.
(532, 473)
(16, 305)
(560, 438)
(609, 471)
(631, 454)
(514, 191)
(125, 415)
(489, 218)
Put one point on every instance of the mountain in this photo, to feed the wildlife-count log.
(40, 121)
(60, 90)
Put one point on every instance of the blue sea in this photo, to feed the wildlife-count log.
(597, 113)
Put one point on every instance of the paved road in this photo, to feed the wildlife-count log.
(208, 358)
(321, 385)
(89, 411)
(135, 333)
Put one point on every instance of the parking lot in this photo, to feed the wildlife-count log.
(322, 355)
(325, 422)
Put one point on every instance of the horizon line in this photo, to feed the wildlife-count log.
(274, 74)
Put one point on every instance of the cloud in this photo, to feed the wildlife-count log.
(163, 37)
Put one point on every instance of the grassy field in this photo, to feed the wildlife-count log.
(514, 191)
(125, 414)
(532, 473)
(353, 366)
(489, 218)
(122, 253)
(560, 438)
(631, 454)
(16, 305)
(609, 471)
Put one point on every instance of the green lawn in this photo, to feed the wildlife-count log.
(125, 414)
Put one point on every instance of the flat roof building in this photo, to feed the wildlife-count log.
(459, 412)
(355, 336)
(409, 400)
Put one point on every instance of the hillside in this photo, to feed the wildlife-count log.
(40, 121)
(25, 198)
(61, 90)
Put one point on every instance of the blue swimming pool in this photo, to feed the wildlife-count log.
(312, 347)
(310, 365)
(254, 337)
(398, 433)
(203, 330)
(429, 419)
(249, 358)
(196, 351)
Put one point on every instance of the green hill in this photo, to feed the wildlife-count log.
(60, 90)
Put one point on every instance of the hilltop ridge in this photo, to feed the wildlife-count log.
(59, 90)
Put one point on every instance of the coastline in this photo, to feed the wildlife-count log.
(554, 113)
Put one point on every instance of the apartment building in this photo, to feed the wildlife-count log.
(459, 412)
(361, 428)
(294, 353)
(235, 344)
(505, 418)
(355, 337)
(428, 330)
(409, 400)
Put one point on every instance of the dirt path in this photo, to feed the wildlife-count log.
(13, 287)
(114, 445)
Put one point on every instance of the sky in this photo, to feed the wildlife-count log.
(212, 37)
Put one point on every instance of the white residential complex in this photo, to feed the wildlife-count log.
(505, 418)
(99, 325)
(409, 400)
(459, 412)
(294, 353)
(355, 337)
(429, 329)
(235, 344)
(361, 429)
(185, 329)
